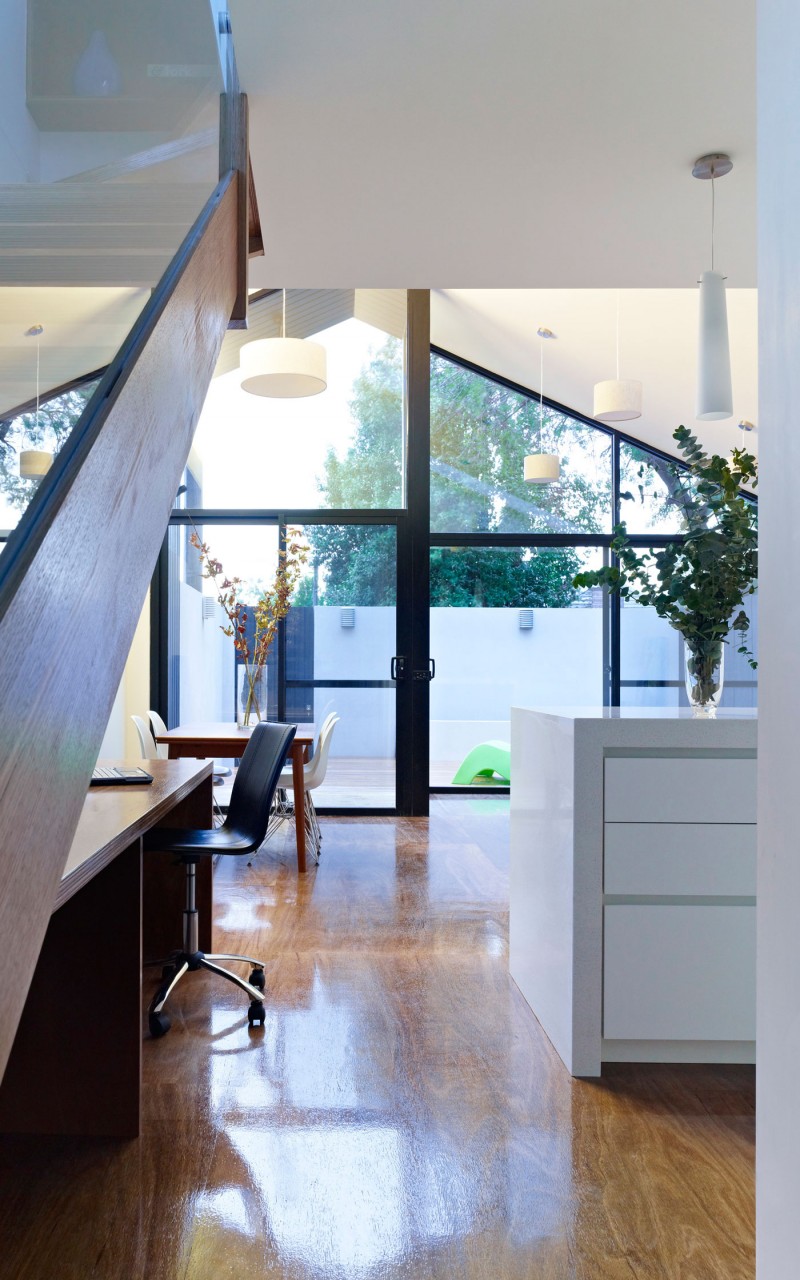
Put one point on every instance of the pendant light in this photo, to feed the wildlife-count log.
(542, 468)
(714, 393)
(617, 399)
(283, 367)
(35, 463)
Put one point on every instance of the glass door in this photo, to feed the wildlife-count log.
(339, 642)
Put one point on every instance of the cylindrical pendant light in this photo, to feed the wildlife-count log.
(283, 367)
(714, 391)
(542, 468)
(617, 399)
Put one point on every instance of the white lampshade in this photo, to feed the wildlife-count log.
(34, 463)
(542, 468)
(617, 400)
(283, 367)
(714, 393)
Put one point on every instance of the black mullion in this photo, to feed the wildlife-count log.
(282, 634)
(159, 634)
(414, 763)
(550, 539)
(614, 600)
(270, 515)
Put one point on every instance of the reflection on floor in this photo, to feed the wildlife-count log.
(401, 1114)
(352, 783)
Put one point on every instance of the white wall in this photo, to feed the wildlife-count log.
(778, 1140)
(133, 696)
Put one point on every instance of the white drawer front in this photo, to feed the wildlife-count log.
(694, 859)
(680, 789)
(679, 973)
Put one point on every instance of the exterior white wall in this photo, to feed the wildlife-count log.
(206, 681)
(778, 1028)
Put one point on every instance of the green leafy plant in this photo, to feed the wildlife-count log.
(697, 584)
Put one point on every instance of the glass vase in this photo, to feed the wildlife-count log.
(251, 695)
(704, 675)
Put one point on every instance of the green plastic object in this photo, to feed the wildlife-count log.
(484, 761)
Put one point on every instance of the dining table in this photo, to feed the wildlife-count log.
(227, 740)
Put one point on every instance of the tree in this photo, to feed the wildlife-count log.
(56, 419)
(481, 432)
(470, 489)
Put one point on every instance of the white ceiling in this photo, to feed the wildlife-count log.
(536, 154)
(543, 144)
(83, 329)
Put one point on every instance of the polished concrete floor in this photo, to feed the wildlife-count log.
(401, 1115)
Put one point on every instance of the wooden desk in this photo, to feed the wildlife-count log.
(75, 1067)
(216, 739)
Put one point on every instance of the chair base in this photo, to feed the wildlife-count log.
(284, 808)
(182, 962)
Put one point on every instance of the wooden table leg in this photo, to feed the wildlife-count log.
(299, 789)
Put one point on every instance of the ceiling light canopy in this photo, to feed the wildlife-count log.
(714, 391)
(285, 368)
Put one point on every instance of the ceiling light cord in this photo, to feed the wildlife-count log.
(38, 351)
(541, 391)
(617, 335)
(713, 212)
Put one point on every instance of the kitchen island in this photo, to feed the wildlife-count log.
(633, 881)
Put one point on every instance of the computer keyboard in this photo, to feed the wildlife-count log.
(108, 776)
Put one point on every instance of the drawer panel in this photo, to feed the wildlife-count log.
(680, 858)
(680, 789)
(679, 973)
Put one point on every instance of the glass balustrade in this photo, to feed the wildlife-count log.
(108, 153)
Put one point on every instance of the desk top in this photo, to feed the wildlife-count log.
(113, 817)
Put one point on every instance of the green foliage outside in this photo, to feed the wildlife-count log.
(480, 434)
(57, 417)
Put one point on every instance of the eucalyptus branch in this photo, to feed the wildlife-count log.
(698, 584)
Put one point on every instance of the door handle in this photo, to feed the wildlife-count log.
(398, 668)
(432, 665)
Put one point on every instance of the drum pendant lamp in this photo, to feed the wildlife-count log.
(617, 399)
(285, 368)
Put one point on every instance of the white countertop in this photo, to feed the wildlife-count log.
(641, 713)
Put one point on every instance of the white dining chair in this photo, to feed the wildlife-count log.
(313, 777)
(150, 749)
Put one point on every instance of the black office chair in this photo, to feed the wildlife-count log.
(242, 832)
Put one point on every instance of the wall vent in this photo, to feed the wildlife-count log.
(209, 608)
(526, 619)
(347, 616)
